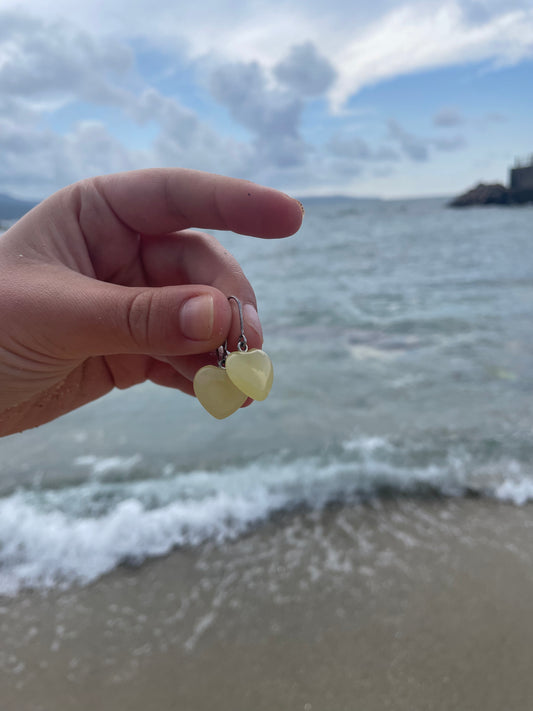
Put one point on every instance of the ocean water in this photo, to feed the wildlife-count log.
(402, 340)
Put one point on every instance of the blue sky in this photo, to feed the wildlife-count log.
(378, 98)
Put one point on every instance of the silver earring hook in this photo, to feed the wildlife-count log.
(242, 345)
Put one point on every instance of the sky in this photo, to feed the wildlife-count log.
(364, 98)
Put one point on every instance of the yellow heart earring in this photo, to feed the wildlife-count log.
(241, 374)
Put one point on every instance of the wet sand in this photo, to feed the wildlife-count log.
(400, 605)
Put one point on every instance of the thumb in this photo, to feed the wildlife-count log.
(90, 317)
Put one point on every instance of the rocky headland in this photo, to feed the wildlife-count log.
(483, 194)
(519, 192)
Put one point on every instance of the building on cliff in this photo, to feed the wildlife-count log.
(521, 176)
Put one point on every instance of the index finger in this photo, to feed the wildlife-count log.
(163, 200)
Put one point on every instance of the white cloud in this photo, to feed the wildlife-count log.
(49, 66)
(423, 36)
(267, 63)
(54, 62)
(365, 42)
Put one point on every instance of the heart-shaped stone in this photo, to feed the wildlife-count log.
(251, 372)
(216, 392)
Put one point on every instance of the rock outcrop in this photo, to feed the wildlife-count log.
(519, 192)
(483, 194)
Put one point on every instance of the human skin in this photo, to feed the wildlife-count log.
(105, 285)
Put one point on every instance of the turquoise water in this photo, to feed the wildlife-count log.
(401, 336)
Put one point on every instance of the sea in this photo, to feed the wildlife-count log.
(401, 334)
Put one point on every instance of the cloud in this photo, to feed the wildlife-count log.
(418, 148)
(415, 148)
(45, 67)
(422, 36)
(364, 43)
(184, 139)
(54, 61)
(305, 71)
(79, 93)
(449, 143)
(35, 160)
(243, 89)
(354, 148)
(447, 117)
(479, 12)
(272, 115)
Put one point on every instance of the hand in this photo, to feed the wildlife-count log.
(103, 285)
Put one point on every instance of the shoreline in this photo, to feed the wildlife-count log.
(400, 604)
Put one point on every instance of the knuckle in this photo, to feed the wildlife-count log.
(140, 319)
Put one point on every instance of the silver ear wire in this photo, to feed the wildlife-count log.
(242, 345)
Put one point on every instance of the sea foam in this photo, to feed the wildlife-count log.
(75, 534)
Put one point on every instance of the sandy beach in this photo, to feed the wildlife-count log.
(406, 604)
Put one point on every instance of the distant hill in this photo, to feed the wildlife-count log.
(336, 199)
(11, 208)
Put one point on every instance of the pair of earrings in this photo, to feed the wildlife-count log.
(241, 374)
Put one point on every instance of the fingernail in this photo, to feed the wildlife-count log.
(252, 320)
(302, 208)
(196, 318)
